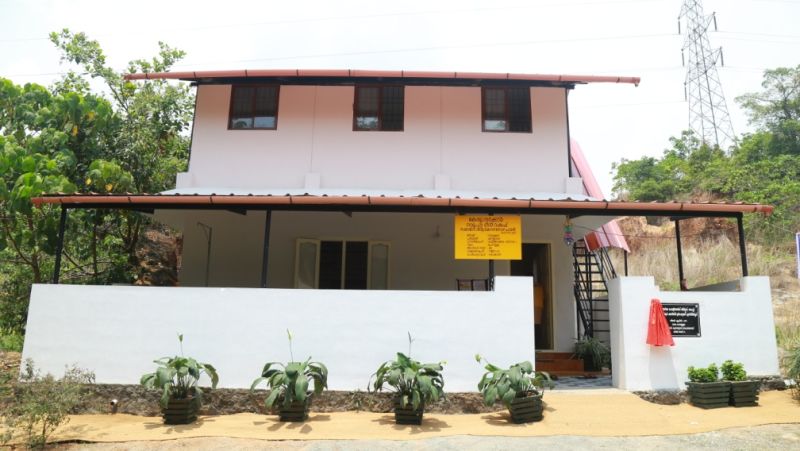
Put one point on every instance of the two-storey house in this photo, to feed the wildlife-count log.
(327, 202)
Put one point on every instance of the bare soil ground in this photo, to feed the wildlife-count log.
(780, 436)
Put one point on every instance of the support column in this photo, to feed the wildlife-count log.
(490, 283)
(60, 244)
(742, 245)
(265, 255)
(625, 259)
(680, 253)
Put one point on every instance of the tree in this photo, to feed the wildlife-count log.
(67, 139)
(763, 168)
(776, 109)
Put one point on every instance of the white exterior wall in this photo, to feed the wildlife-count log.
(418, 258)
(735, 325)
(117, 331)
(442, 136)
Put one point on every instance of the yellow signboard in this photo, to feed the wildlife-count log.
(488, 237)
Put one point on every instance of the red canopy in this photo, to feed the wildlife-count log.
(658, 333)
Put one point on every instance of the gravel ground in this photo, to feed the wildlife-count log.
(781, 436)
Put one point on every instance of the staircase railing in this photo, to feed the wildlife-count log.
(586, 286)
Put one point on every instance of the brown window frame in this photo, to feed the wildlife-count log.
(253, 107)
(380, 107)
(507, 110)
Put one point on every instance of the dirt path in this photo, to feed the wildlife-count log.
(783, 436)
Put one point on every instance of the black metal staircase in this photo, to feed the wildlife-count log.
(592, 271)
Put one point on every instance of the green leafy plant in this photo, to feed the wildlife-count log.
(43, 403)
(593, 351)
(290, 382)
(178, 376)
(413, 382)
(518, 381)
(709, 374)
(733, 372)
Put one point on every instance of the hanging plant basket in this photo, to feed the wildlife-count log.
(526, 409)
(297, 411)
(744, 393)
(181, 411)
(407, 414)
(709, 395)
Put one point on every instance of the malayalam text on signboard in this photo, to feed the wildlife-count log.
(488, 237)
(683, 319)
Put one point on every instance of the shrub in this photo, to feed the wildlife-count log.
(43, 403)
(11, 341)
(709, 374)
(177, 377)
(733, 371)
(414, 383)
(518, 381)
(290, 382)
(594, 350)
(792, 363)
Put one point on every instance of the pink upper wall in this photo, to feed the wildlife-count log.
(442, 136)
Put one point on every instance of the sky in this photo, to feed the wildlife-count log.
(587, 37)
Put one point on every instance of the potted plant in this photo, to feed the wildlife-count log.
(519, 387)
(594, 353)
(743, 392)
(177, 378)
(415, 384)
(289, 383)
(705, 389)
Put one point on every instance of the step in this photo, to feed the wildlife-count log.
(559, 365)
(552, 355)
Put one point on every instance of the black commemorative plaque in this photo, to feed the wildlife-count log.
(683, 319)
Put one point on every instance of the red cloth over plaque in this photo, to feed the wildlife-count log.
(658, 333)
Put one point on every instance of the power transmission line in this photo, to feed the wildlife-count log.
(708, 112)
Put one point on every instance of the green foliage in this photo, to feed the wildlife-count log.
(733, 371)
(791, 362)
(11, 341)
(67, 138)
(764, 167)
(710, 374)
(290, 382)
(594, 349)
(414, 383)
(518, 381)
(43, 403)
(177, 377)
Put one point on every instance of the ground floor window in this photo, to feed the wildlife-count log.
(342, 264)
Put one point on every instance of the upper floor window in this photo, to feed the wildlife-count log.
(378, 108)
(506, 109)
(254, 107)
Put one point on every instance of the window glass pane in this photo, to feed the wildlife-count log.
(367, 108)
(307, 265)
(330, 265)
(519, 105)
(355, 266)
(392, 108)
(379, 267)
(242, 101)
(241, 122)
(494, 109)
(266, 101)
(264, 122)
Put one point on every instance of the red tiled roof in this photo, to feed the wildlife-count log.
(355, 74)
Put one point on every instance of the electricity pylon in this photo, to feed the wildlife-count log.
(708, 113)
